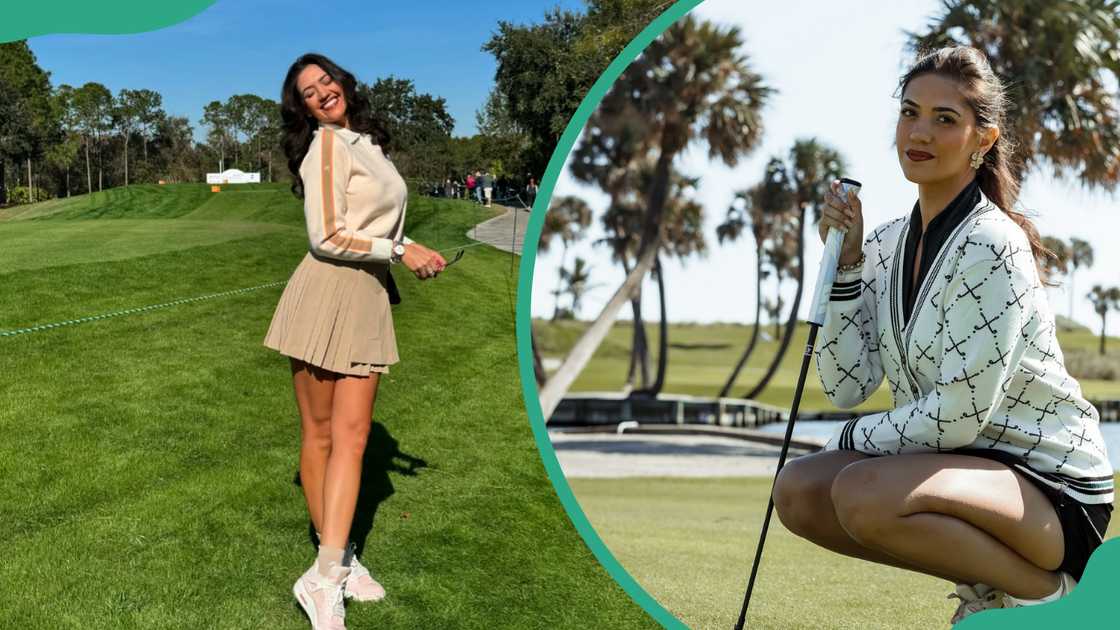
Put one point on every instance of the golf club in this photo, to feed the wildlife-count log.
(818, 310)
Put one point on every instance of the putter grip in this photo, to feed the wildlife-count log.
(830, 259)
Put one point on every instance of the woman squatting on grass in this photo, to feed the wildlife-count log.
(333, 319)
(990, 471)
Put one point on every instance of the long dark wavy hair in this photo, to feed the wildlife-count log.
(299, 125)
(986, 94)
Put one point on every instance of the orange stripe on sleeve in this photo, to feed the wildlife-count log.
(328, 182)
(339, 236)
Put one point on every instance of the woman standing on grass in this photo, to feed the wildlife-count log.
(991, 470)
(334, 319)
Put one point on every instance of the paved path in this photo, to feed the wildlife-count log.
(592, 455)
(505, 232)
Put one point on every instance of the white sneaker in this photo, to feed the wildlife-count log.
(322, 597)
(974, 599)
(361, 586)
(1066, 584)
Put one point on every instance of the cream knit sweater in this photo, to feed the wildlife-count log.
(354, 199)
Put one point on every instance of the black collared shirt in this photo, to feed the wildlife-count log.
(940, 228)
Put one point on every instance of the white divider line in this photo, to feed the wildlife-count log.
(134, 311)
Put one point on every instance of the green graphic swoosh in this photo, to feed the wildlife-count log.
(28, 19)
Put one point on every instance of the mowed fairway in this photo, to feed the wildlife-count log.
(701, 358)
(690, 544)
(147, 460)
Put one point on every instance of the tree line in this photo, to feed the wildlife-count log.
(63, 140)
(56, 141)
(74, 140)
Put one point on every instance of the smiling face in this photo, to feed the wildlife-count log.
(322, 96)
(937, 132)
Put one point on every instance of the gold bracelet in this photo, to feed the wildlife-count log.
(852, 267)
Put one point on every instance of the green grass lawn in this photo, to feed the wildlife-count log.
(709, 352)
(690, 543)
(147, 460)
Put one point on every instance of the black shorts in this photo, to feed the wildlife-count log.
(1083, 524)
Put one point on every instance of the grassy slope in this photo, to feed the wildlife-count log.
(142, 201)
(147, 461)
(703, 371)
(690, 543)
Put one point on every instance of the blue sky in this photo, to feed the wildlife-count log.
(835, 77)
(246, 46)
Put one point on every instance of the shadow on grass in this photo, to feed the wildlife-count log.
(382, 456)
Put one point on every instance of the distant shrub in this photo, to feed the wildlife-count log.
(21, 194)
(1085, 363)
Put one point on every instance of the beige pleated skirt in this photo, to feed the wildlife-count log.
(335, 314)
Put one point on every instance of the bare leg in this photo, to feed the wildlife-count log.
(968, 517)
(803, 501)
(350, 423)
(314, 395)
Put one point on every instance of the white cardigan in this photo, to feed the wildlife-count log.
(976, 366)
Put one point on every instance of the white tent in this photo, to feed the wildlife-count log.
(233, 176)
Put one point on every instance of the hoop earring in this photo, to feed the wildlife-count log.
(976, 161)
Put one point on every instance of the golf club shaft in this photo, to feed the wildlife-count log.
(817, 313)
(781, 462)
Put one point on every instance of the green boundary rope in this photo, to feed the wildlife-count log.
(134, 311)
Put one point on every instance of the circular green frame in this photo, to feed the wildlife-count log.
(524, 317)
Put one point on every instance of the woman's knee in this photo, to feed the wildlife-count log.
(801, 496)
(862, 505)
(350, 436)
(317, 430)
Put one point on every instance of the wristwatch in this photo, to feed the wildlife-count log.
(398, 252)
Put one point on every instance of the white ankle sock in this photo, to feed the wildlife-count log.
(319, 536)
(329, 557)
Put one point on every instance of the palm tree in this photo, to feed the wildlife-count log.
(610, 145)
(1103, 301)
(1080, 255)
(812, 167)
(576, 284)
(1063, 103)
(682, 236)
(622, 223)
(740, 217)
(761, 206)
(774, 311)
(691, 83)
(566, 220)
(1058, 264)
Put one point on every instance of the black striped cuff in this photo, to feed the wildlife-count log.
(844, 291)
(847, 440)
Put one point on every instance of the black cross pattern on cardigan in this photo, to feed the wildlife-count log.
(976, 365)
